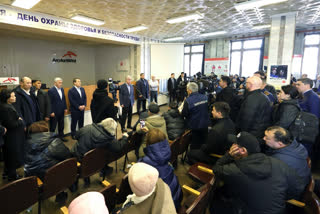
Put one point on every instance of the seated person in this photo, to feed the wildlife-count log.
(174, 121)
(89, 203)
(217, 138)
(254, 183)
(292, 153)
(158, 155)
(150, 193)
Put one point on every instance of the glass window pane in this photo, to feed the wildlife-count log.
(186, 64)
(312, 39)
(196, 63)
(187, 49)
(236, 45)
(252, 44)
(310, 62)
(235, 62)
(250, 62)
(197, 48)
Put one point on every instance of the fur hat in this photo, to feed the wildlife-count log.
(89, 203)
(142, 178)
(110, 125)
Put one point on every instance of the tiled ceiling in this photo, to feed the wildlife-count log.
(218, 15)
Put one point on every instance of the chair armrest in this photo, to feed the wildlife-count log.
(78, 164)
(39, 182)
(64, 210)
(191, 190)
(204, 169)
(107, 183)
(296, 203)
(216, 155)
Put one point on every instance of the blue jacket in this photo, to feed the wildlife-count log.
(158, 156)
(310, 103)
(143, 89)
(125, 97)
(58, 105)
(75, 99)
(295, 156)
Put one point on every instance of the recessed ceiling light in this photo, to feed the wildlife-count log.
(173, 39)
(88, 20)
(258, 27)
(256, 4)
(194, 16)
(213, 33)
(134, 29)
(26, 4)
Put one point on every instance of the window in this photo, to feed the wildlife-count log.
(310, 61)
(193, 59)
(246, 57)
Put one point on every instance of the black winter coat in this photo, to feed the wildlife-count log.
(175, 123)
(229, 95)
(258, 184)
(102, 106)
(255, 114)
(2, 130)
(44, 104)
(285, 113)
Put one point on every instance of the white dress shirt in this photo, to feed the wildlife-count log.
(79, 91)
(59, 92)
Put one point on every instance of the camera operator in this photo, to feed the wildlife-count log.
(113, 87)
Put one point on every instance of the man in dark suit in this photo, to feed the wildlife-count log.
(43, 100)
(143, 93)
(172, 87)
(78, 101)
(58, 107)
(126, 102)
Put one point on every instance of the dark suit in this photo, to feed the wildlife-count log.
(310, 103)
(44, 104)
(58, 106)
(127, 100)
(77, 116)
(172, 87)
(142, 89)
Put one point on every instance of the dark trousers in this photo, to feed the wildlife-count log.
(143, 102)
(76, 117)
(126, 112)
(172, 96)
(58, 119)
(199, 137)
(154, 96)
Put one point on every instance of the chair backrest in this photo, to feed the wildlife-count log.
(109, 193)
(59, 177)
(92, 162)
(124, 190)
(184, 142)
(17, 196)
(174, 147)
(312, 204)
(134, 142)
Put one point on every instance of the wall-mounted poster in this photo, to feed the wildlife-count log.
(217, 65)
(279, 72)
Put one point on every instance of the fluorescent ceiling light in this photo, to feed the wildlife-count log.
(256, 4)
(194, 16)
(173, 39)
(213, 33)
(26, 4)
(88, 20)
(258, 27)
(134, 29)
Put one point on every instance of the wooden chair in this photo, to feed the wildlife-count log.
(200, 175)
(184, 143)
(134, 143)
(92, 162)
(109, 193)
(19, 195)
(174, 147)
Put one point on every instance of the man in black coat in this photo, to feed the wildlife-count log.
(182, 86)
(217, 138)
(253, 182)
(172, 88)
(43, 100)
(26, 105)
(78, 101)
(143, 93)
(268, 87)
(102, 106)
(58, 107)
(255, 112)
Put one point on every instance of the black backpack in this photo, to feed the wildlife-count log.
(305, 128)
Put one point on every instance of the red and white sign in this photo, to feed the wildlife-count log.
(217, 65)
(9, 80)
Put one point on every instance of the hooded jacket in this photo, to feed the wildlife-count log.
(261, 184)
(175, 123)
(285, 113)
(158, 155)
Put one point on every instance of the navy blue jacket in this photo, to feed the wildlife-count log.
(143, 89)
(125, 97)
(58, 105)
(158, 155)
(195, 110)
(75, 99)
(310, 103)
(295, 156)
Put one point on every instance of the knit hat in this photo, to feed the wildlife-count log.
(154, 108)
(102, 84)
(143, 115)
(142, 178)
(247, 140)
(110, 125)
(89, 203)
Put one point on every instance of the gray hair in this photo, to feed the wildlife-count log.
(193, 87)
(128, 77)
(57, 79)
